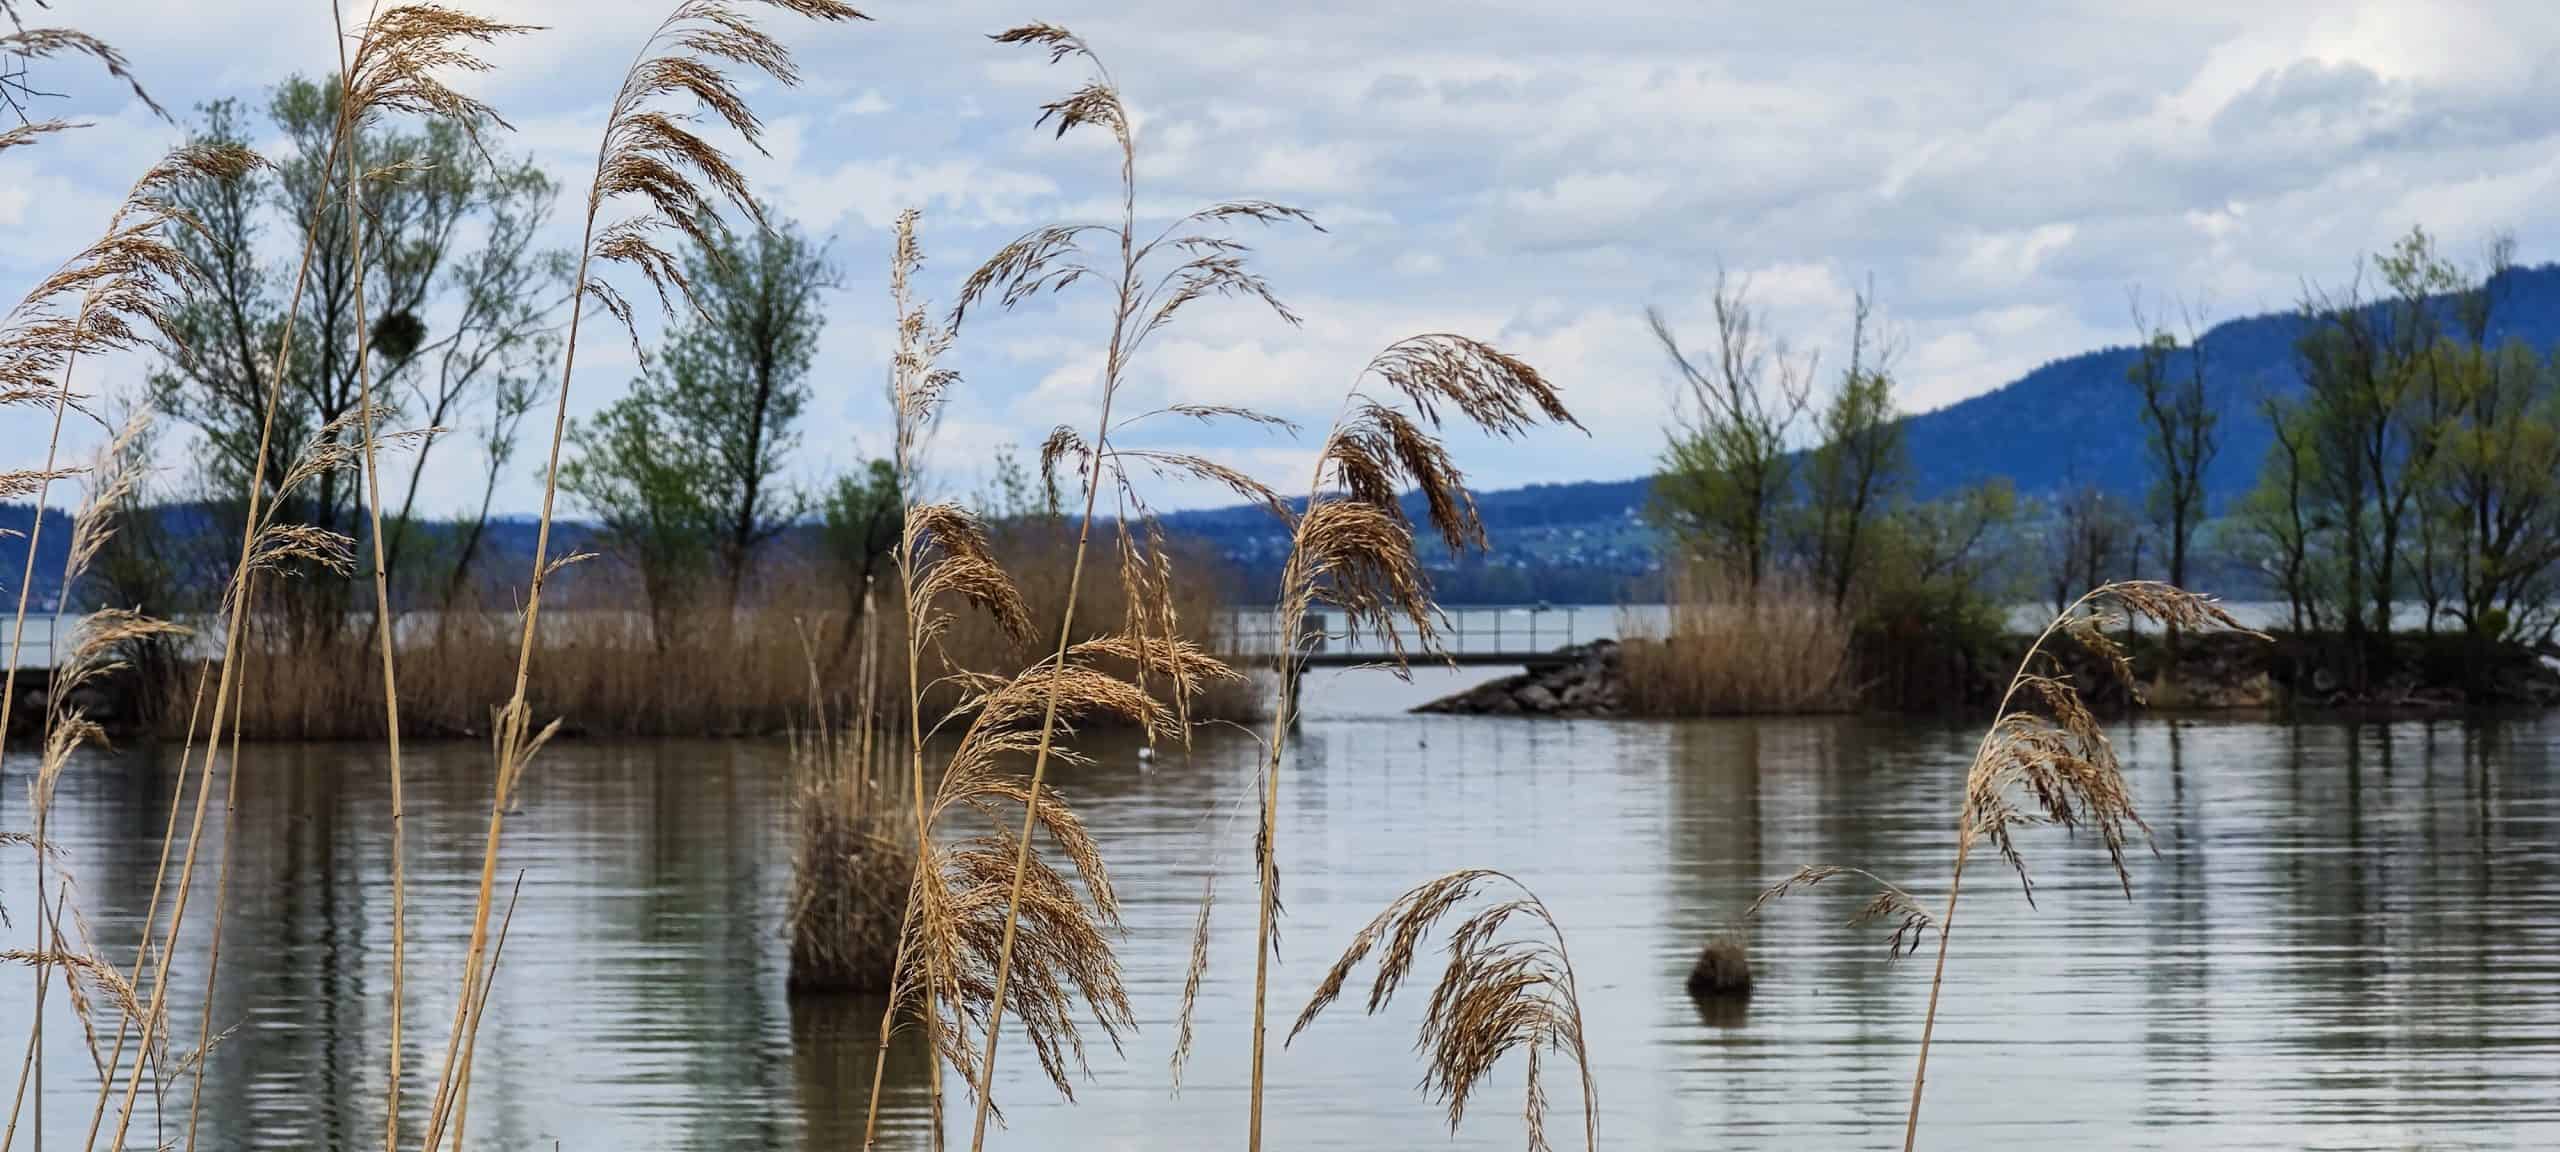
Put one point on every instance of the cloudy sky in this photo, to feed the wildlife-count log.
(1533, 174)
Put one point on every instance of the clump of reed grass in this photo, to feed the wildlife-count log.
(2044, 761)
(1723, 968)
(1502, 992)
(1780, 647)
(850, 866)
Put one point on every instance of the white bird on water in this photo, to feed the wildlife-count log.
(1146, 756)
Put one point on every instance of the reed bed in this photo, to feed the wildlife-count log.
(1724, 650)
(609, 671)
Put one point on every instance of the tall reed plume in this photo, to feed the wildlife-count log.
(652, 157)
(1152, 280)
(26, 44)
(1500, 993)
(2044, 761)
(942, 552)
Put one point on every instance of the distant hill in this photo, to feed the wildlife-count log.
(2077, 420)
(2070, 422)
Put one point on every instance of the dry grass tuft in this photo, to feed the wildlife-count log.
(851, 867)
(1782, 648)
(1499, 994)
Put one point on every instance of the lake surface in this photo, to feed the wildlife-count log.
(2349, 938)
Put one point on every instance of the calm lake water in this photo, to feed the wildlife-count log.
(2349, 938)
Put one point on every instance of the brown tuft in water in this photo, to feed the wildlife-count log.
(1723, 970)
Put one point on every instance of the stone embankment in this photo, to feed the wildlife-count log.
(1584, 680)
(2213, 672)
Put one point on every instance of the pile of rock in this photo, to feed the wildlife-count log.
(1578, 680)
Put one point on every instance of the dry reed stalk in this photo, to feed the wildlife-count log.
(926, 539)
(273, 549)
(1353, 547)
(654, 156)
(1203, 265)
(124, 284)
(393, 71)
(249, 549)
(397, 56)
(1497, 995)
(263, 544)
(2044, 760)
(66, 726)
(479, 1007)
(213, 956)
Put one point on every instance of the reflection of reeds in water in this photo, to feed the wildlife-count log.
(2043, 761)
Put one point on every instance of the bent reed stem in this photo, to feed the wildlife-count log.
(1964, 851)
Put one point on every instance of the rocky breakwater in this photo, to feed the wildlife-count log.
(1577, 680)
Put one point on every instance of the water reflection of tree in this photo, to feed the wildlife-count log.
(2403, 904)
(1749, 801)
(2179, 960)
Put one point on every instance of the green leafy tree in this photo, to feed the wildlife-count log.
(734, 381)
(1727, 473)
(2276, 524)
(459, 290)
(2395, 447)
(1855, 473)
(634, 471)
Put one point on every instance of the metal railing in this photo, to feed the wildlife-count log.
(1462, 631)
